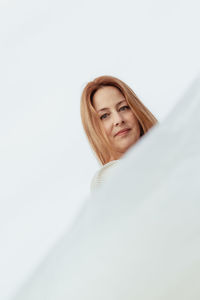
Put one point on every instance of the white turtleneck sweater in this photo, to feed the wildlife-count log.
(101, 175)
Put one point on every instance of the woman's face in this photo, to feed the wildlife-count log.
(119, 123)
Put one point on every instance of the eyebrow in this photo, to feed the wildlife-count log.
(115, 106)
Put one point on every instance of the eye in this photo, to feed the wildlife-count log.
(104, 116)
(124, 107)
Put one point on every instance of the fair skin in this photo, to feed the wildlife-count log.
(118, 121)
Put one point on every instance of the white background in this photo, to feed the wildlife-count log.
(49, 51)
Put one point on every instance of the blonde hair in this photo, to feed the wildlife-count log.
(90, 119)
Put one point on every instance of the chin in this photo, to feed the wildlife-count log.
(124, 147)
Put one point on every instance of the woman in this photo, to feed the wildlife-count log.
(114, 119)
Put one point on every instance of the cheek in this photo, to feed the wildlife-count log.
(134, 121)
(131, 116)
(107, 128)
(134, 124)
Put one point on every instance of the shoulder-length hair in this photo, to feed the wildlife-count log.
(92, 124)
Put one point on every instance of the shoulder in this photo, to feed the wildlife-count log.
(102, 174)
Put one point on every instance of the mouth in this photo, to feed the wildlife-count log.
(122, 132)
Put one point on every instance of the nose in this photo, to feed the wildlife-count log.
(117, 119)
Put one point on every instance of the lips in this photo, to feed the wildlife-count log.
(123, 131)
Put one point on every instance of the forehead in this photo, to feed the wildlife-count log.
(107, 96)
